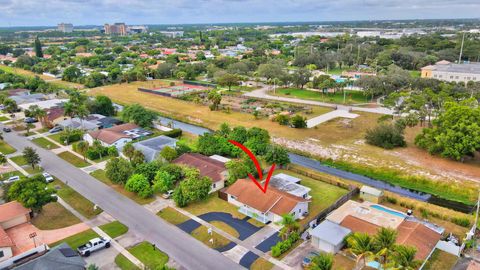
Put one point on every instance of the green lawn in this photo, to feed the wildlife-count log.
(78, 239)
(56, 137)
(4, 118)
(323, 194)
(7, 175)
(54, 216)
(125, 264)
(20, 161)
(336, 71)
(114, 229)
(75, 200)
(350, 97)
(172, 216)
(100, 175)
(73, 159)
(150, 257)
(6, 149)
(44, 143)
(202, 235)
(440, 260)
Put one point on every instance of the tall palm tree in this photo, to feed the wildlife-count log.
(403, 257)
(361, 245)
(384, 242)
(82, 147)
(324, 261)
(289, 225)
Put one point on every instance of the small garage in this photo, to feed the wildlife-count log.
(370, 194)
(329, 237)
(13, 214)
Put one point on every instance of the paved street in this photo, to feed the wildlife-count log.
(184, 249)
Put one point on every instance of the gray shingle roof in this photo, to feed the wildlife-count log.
(151, 147)
(57, 258)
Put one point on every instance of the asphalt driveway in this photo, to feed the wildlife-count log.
(242, 226)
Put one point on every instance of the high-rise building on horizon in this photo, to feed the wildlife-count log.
(115, 29)
(65, 27)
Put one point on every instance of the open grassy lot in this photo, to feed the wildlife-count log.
(6, 149)
(441, 260)
(144, 251)
(201, 234)
(323, 194)
(44, 143)
(172, 216)
(75, 200)
(261, 264)
(100, 175)
(114, 228)
(350, 96)
(54, 216)
(78, 239)
(73, 159)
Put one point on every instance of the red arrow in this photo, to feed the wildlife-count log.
(257, 165)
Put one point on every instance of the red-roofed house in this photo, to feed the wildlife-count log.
(265, 207)
(11, 214)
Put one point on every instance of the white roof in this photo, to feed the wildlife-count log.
(330, 232)
(46, 104)
(220, 158)
(371, 190)
(287, 177)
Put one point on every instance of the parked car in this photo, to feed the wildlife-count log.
(308, 259)
(56, 129)
(30, 120)
(48, 177)
(167, 194)
(7, 129)
(12, 179)
(93, 245)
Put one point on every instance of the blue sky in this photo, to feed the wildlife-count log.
(83, 12)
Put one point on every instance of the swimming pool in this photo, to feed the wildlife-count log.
(381, 208)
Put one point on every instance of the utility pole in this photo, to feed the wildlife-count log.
(461, 49)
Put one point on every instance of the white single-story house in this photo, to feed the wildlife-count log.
(329, 236)
(116, 136)
(265, 207)
(151, 148)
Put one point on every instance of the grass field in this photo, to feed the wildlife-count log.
(172, 216)
(350, 97)
(123, 263)
(78, 239)
(73, 159)
(54, 216)
(6, 149)
(75, 200)
(114, 229)
(323, 194)
(100, 175)
(44, 143)
(440, 260)
(144, 252)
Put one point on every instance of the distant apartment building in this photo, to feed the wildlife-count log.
(65, 27)
(137, 29)
(450, 72)
(119, 29)
(172, 34)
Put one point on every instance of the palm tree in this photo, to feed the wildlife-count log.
(384, 242)
(82, 147)
(403, 257)
(128, 151)
(289, 226)
(361, 245)
(97, 145)
(324, 261)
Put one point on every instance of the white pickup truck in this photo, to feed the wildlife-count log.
(93, 245)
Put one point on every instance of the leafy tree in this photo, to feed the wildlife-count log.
(455, 133)
(298, 121)
(71, 74)
(103, 105)
(128, 151)
(283, 119)
(215, 98)
(118, 170)
(163, 182)
(139, 115)
(323, 261)
(95, 79)
(361, 245)
(192, 188)
(31, 156)
(38, 48)
(148, 169)
(29, 126)
(168, 153)
(258, 140)
(137, 158)
(270, 71)
(238, 134)
(139, 184)
(238, 169)
(10, 105)
(82, 148)
(165, 70)
(228, 80)
(277, 155)
(301, 77)
(32, 193)
(386, 136)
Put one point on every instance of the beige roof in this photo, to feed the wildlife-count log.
(273, 200)
(113, 134)
(363, 211)
(12, 210)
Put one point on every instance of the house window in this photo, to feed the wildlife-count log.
(213, 185)
(1, 254)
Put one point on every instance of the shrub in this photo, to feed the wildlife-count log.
(298, 121)
(386, 136)
(283, 246)
(464, 222)
(174, 133)
(139, 184)
(283, 119)
(112, 151)
(73, 135)
(391, 200)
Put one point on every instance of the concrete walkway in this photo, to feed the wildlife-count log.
(262, 93)
(329, 116)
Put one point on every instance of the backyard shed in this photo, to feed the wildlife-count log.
(329, 236)
(371, 194)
